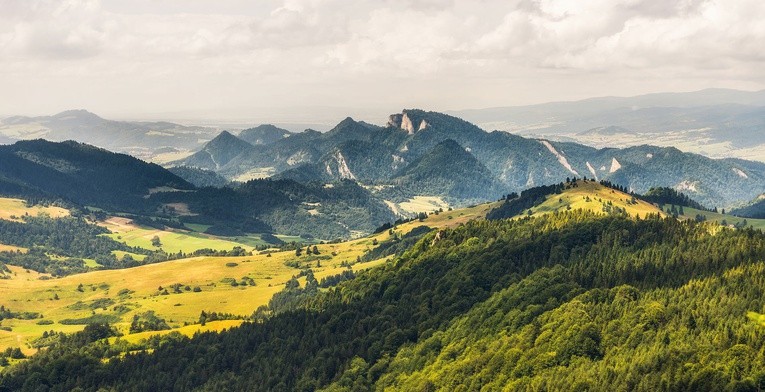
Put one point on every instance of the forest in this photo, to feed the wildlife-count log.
(568, 301)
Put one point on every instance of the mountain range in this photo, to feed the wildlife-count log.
(420, 153)
(141, 139)
(714, 122)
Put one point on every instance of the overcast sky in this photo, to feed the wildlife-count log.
(303, 59)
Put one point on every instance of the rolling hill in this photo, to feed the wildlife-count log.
(263, 134)
(218, 152)
(82, 174)
(562, 299)
(87, 176)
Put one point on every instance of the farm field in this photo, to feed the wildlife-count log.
(13, 209)
(172, 241)
(118, 295)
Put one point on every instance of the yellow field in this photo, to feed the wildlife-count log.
(136, 290)
(577, 198)
(448, 219)
(255, 174)
(14, 209)
(25, 291)
(419, 204)
(123, 230)
(11, 248)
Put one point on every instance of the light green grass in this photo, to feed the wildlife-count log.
(691, 213)
(172, 241)
(199, 228)
(120, 254)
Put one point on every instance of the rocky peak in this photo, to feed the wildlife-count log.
(407, 123)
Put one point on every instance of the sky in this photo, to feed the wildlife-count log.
(312, 60)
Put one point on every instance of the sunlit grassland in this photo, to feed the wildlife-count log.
(172, 241)
(710, 216)
(591, 196)
(27, 292)
(14, 209)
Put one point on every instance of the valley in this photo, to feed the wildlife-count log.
(369, 196)
(408, 252)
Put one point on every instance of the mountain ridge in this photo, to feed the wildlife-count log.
(373, 154)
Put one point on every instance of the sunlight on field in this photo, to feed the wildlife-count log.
(204, 283)
(123, 230)
(592, 196)
(449, 219)
(423, 204)
(11, 248)
(136, 290)
(14, 209)
(255, 174)
(729, 220)
(168, 157)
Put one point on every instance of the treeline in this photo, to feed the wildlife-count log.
(58, 246)
(664, 195)
(529, 198)
(564, 301)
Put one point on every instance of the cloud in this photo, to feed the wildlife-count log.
(547, 49)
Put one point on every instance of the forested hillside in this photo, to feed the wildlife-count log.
(568, 300)
(82, 174)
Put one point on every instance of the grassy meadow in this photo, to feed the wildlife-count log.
(592, 196)
(14, 209)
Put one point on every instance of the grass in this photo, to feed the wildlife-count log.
(14, 209)
(592, 196)
(691, 213)
(422, 204)
(136, 290)
(26, 291)
(173, 241)
(11, 248)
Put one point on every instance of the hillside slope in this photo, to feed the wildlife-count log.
(82, 174)
(569, 299)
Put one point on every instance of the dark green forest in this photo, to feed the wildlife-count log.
(568, 301)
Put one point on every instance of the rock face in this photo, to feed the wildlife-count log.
(405, 122)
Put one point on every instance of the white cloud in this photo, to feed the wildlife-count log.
(173, 55)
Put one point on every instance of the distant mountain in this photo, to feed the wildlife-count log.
(82, 174)
(140, 139)
(377, 157)
(218, 152)
(263, 134)
(717, 123)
